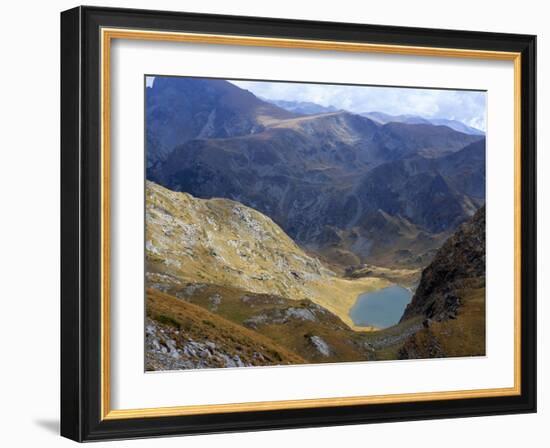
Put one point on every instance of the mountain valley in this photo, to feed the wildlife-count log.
(266, 220)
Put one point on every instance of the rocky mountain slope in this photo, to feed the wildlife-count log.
(451, 297)
(300, 326)
(460, 259)
(180, 335)
(216, 268)
(222, 242)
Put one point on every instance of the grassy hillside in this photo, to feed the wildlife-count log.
(301, 326)
(222, 242)
(464, 335)
(181, 335)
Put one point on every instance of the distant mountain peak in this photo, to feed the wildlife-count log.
(303, 107)
(384, 118)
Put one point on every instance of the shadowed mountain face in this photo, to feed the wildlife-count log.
(338, 183)
(182, 109)
(459, 260)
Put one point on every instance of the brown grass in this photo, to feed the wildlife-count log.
(459, 337)
(294, 335)
(201, 325)
(465, 335)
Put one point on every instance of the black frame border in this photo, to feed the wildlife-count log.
(81, 224)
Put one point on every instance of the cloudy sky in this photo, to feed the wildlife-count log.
(465, 106)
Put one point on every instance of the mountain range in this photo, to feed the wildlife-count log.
(384, 118)
(345, 186)
(302, 107)
(309, 108)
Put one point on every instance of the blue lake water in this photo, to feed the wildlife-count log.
(382, 308)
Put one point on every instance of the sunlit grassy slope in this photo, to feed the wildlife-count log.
(461, 336)
(179, 332)
(294, 324)
(222, 242)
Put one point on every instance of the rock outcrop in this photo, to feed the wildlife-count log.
(450, 299)
(460, 259)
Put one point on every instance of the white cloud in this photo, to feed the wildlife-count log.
(468, 107)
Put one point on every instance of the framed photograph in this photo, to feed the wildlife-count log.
(276, 224)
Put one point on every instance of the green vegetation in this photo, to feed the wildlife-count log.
(167, 320)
